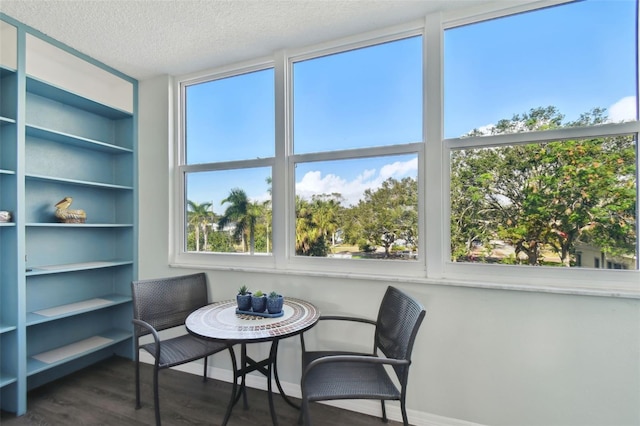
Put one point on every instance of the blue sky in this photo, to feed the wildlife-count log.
(575, 57)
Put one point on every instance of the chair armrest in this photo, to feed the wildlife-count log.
(337, 318)
(153, 332)
(346, 318)
(366, 359)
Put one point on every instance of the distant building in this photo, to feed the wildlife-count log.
(589, 256)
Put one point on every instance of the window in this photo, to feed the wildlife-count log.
(360, 113)
(465, 144)
(541, 112)
(229, 145)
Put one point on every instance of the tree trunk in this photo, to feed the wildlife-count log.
(532, 253)
(206, 244)
(565, 257)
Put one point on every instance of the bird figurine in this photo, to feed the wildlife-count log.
(65, 215)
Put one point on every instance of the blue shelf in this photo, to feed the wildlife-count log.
(72, 279)
(80, 225)
(40, 88)
(6, 379)
(6, 121)
(6, 328)
(4, 71)
(113, 300)
(73, 267)
(60, 137)
(115, 336)
(77, 182)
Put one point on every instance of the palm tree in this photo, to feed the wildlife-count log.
(199, 217)
(268, 210)
(308, 234)
(326, 214)
(245, 214)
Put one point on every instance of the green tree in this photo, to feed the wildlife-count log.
(268, 218)
(385, 215)
(546, 195)
(309, 237)
(220, 242)
(199, 217)
(244, 215)
(317, 221)
(327, 210)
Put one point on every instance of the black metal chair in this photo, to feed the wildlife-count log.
(331, 375)
(160, 304)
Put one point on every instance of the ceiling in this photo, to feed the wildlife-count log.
(146, 38)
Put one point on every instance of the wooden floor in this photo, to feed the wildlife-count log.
(104, 394)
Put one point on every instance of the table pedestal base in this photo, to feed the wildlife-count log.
(269, 368)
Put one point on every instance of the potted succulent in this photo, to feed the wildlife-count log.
(274, 303)
(258, 301)
(243, 298)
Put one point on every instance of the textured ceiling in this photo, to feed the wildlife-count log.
(145, 38)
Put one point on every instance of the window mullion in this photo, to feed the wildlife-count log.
(435, 171)
(280, 184)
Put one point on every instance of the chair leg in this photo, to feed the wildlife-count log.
(137, 362)
(156, 396)
(384, 411)
(403, 408)
(304, 412)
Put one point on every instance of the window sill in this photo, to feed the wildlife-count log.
(627, 293)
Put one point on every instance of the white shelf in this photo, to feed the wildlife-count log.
(77, 308)
(70, 352)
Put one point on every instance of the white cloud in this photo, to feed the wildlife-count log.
(487, 129)
(623, 110)
(398, 169)
(314, 183)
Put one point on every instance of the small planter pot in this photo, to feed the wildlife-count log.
(274, 304)
(258, 304)
(244, 302)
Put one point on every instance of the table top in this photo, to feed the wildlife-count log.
(219, 321)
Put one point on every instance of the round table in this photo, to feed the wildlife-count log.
(220, 322)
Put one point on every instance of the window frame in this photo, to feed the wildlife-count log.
(434, 265)
(553, 279)
(355, 266)
(179, 255)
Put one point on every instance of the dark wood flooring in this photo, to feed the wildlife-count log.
(104, 394)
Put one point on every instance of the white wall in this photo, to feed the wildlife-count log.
(491, 357)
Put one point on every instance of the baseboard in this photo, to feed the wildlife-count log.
(416, 418)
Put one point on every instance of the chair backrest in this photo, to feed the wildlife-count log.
(399, 319)
(166, 302)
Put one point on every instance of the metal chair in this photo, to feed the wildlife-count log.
(160, 304)
(331, 375)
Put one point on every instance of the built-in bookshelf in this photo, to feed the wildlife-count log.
(68, 129)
